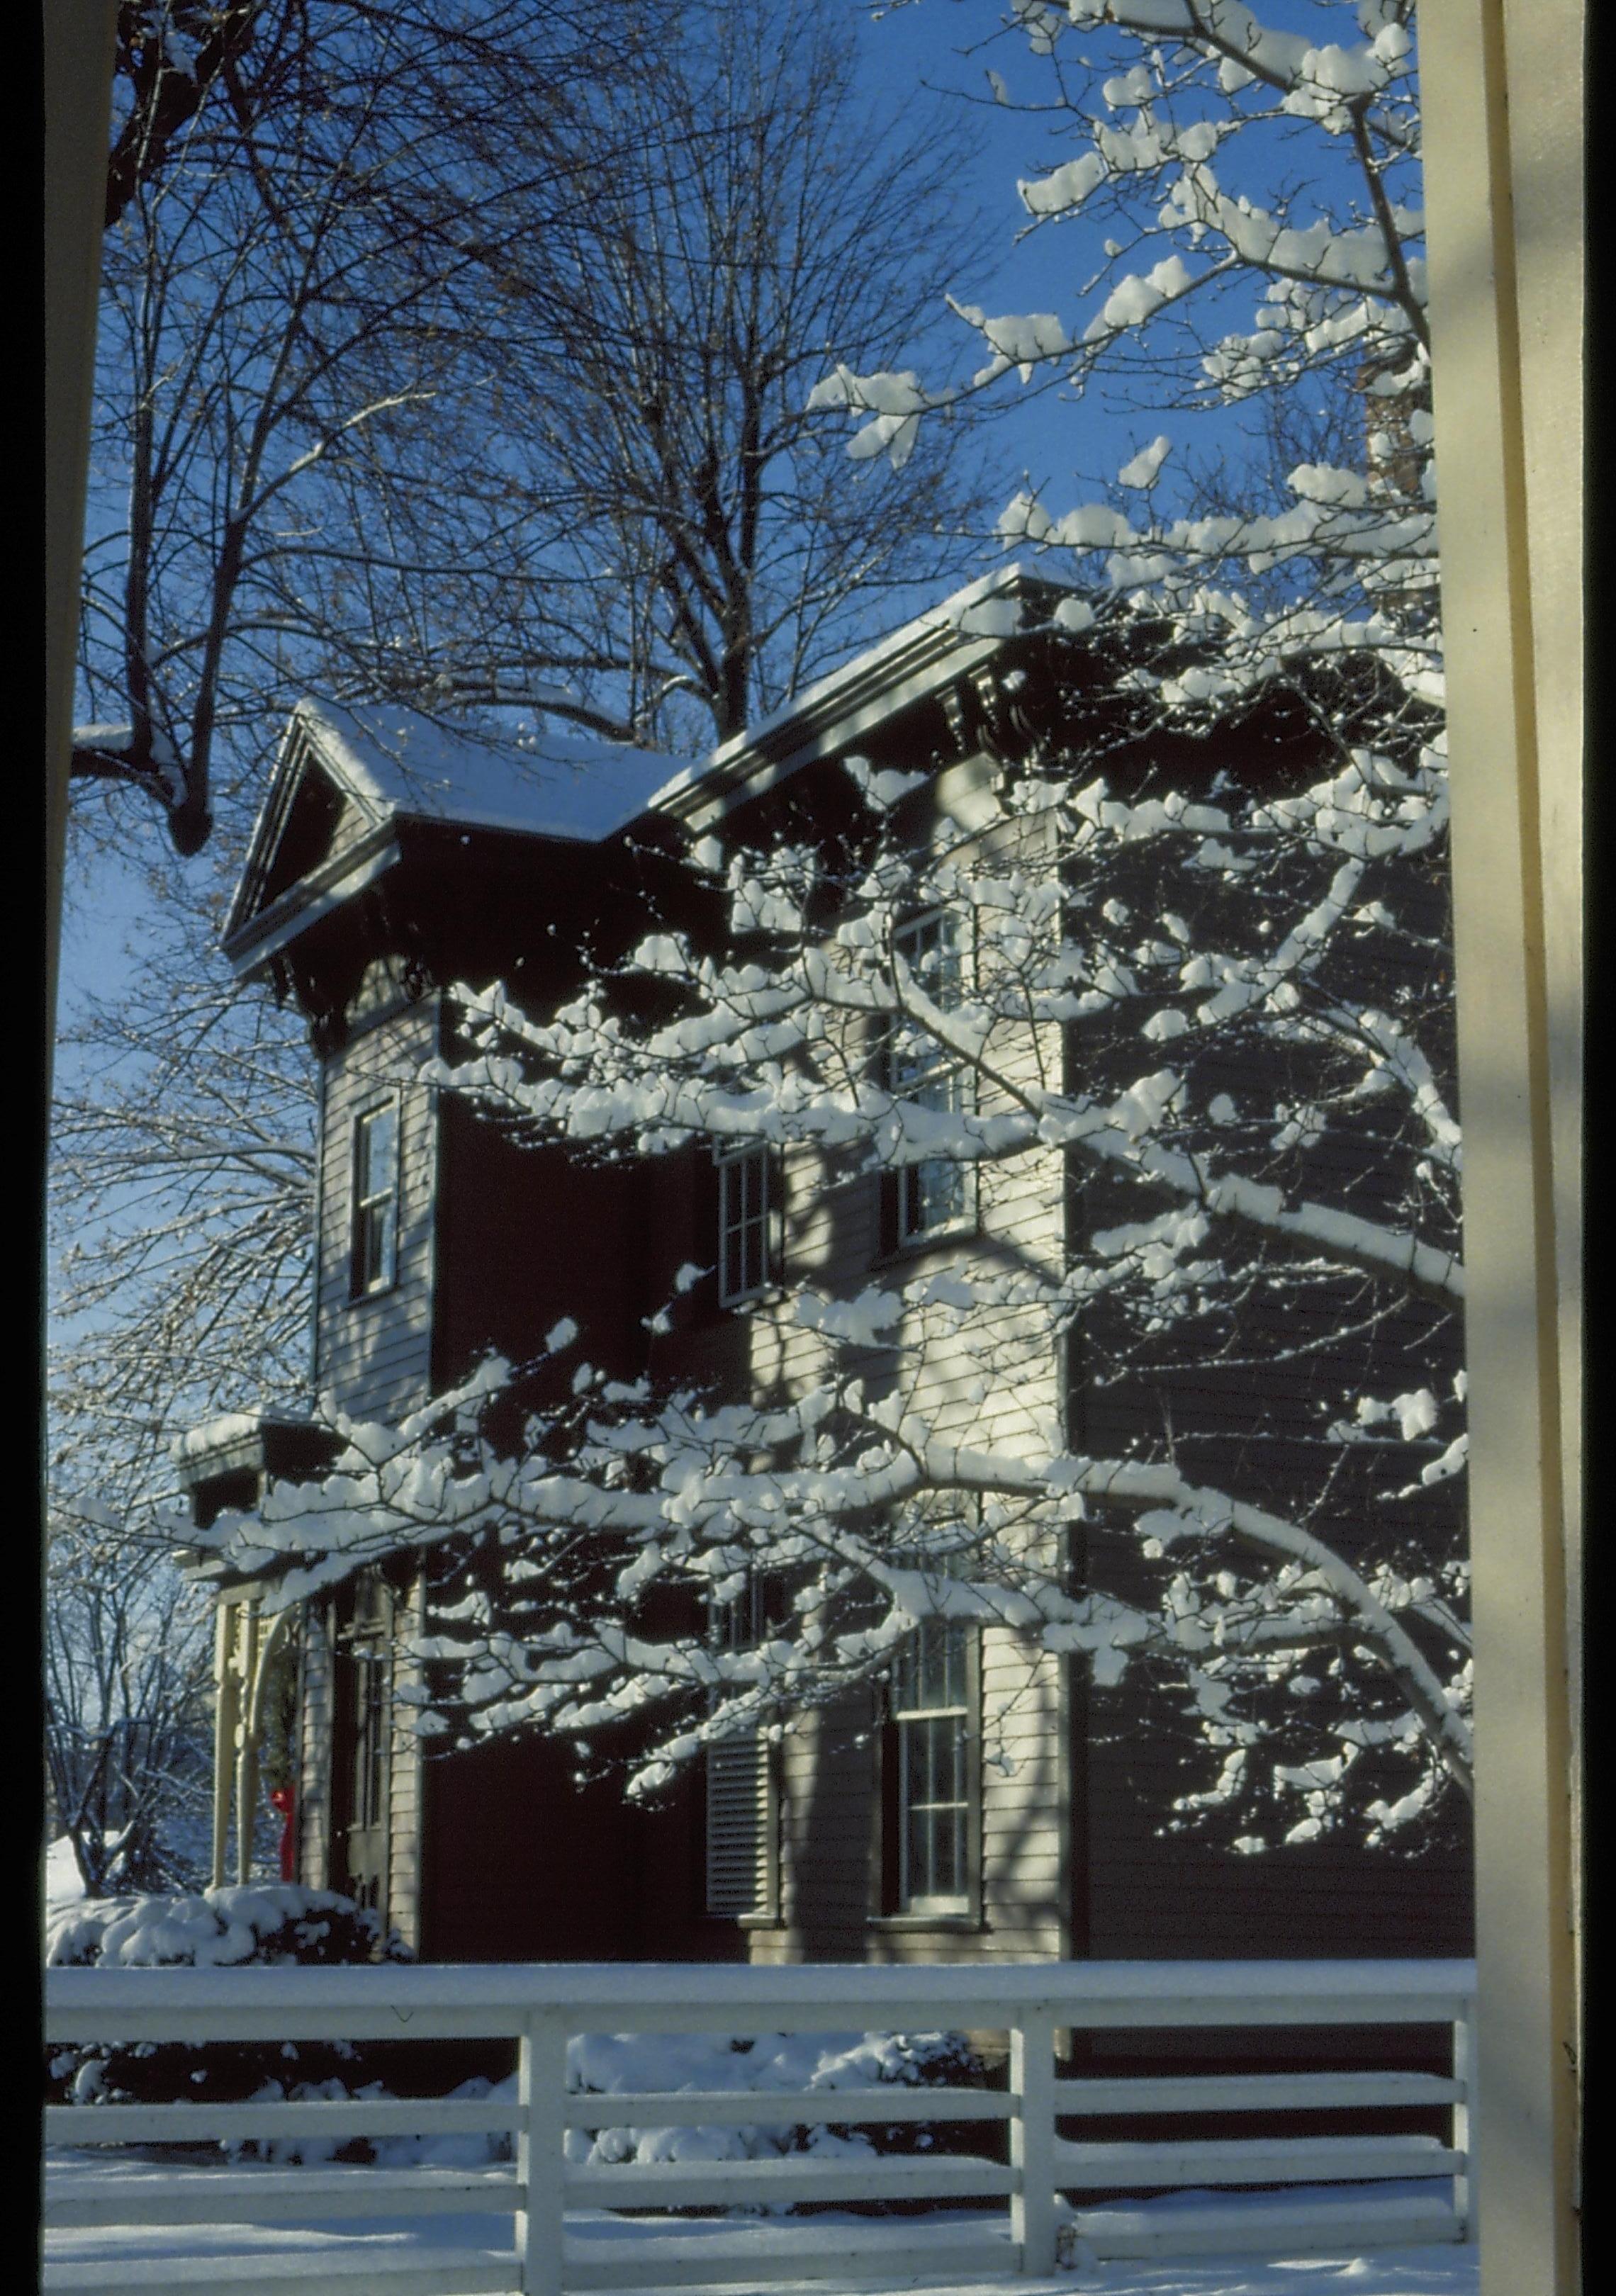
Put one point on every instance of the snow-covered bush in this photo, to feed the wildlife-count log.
(609, 2065)
(279, 1925)
(277, 1922)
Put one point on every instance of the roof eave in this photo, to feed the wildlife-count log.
(919, 660)
(263, 933)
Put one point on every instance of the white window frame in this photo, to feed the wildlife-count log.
(930, 1078)
(921, 1718)
(749, 1229)
(369, 1203)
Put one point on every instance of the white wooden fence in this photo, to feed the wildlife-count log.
(1036, 2004)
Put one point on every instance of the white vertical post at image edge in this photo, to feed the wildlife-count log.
(1502, 95)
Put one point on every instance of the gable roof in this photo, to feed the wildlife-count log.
(386, 764)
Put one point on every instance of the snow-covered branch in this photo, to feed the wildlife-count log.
(1272, 1214)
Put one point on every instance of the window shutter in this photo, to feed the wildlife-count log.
(739, 1827)
(891, 1234)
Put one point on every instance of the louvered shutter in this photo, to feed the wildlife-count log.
(739, 1827)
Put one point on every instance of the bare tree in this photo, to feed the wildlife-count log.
(271, 289)
(180, 1199)
(636, 498)
(126, 1703)
(181, 1187)
(172, 57)
(442, 350)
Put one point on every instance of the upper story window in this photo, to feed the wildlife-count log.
(745, 1224)
(931, 1710)
(936, 1194)
(374, 1265)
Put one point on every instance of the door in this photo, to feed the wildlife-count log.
(360, 1740)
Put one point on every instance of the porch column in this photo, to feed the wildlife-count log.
(1503, 87)
(247, 1741)
(226, 1702)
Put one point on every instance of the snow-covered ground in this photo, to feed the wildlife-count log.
(62, 1886)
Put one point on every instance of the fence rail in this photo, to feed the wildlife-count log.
(1065, 2193)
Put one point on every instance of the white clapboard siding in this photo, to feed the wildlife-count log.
(374, 1353)
(832, 1890)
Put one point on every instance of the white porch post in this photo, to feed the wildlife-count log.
(247, 1743)
(1502, 82)
(1032, 2212)
(541, 2086)
(226, 1701)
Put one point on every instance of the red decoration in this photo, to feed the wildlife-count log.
(282, 1798)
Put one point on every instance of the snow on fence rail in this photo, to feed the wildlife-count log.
(540, 2006)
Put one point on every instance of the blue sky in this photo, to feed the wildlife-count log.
(1069, 448)
(936, 44)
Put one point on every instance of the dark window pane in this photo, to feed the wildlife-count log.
(946, 1876)
(375, 1212)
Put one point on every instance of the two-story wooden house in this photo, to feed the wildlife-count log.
(393, 858)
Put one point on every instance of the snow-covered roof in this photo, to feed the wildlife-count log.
(216, 1434)
(396, 760)
(238, 1439)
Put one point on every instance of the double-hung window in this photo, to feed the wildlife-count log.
(931, 1713)
(934, 1193)
(373, 1255)
(745, 1223)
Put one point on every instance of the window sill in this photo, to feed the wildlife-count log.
(955, 1921)
(910, 1247)
(751, 1303)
